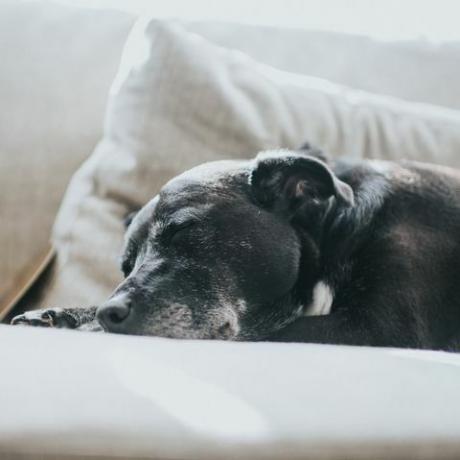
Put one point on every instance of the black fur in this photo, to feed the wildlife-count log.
(233, 250)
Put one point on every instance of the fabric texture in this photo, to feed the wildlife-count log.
(102, 394)
(179, 100)
(414, 70)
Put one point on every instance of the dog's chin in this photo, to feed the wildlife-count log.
(223, 333)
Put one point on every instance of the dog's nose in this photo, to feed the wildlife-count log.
(113, 313)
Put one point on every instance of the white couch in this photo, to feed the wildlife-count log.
(72, 395)
(69, 394)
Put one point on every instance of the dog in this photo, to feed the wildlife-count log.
(293, 247)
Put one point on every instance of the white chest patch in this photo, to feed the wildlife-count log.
(322, 300)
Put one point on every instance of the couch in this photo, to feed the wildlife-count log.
(72, 395)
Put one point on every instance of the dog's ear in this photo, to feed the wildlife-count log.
(287, 180)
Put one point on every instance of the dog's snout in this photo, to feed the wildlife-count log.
(113, 313)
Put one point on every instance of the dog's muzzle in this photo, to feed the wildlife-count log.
(113, 314)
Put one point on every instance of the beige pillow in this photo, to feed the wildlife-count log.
(179, 100)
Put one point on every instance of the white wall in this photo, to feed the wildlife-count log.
(388, 19)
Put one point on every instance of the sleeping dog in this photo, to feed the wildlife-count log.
(291, 247)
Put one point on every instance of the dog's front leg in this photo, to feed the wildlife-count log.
(67, 318)
(332, 329)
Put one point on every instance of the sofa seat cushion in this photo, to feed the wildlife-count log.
(73, 393)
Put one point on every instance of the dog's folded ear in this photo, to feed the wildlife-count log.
(286, 180)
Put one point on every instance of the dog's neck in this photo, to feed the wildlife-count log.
(345, 229)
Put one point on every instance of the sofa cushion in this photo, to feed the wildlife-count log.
(415, 70)
(179, 100)
(67, 394)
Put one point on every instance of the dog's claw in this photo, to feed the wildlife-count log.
(42, 318)
(51, 317)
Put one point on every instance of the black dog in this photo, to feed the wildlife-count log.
(290, 247)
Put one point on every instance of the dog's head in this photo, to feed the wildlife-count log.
(227, 250)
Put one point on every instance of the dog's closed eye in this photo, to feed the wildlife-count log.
(174, 232)
(127, 266)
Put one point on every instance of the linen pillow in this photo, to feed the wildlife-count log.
(179, 100)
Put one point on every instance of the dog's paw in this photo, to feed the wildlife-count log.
(51, 317)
